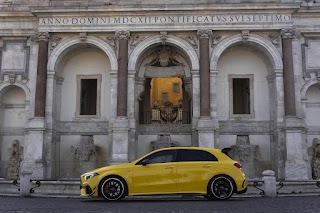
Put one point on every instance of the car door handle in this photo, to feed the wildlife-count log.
(207, 166)
(169, 167)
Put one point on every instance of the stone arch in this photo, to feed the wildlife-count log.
(67, 44)
(260, 42)
(21, 86)
(174, 40)
(307, 85)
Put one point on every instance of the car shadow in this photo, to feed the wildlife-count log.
(148, 199)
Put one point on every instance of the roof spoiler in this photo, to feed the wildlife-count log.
(226, 150)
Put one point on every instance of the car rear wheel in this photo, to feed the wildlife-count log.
(112, 188)
(220, 188)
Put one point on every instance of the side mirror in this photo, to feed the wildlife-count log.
(145, 162)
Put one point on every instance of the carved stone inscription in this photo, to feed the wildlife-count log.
(170, 19)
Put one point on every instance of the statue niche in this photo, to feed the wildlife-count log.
(13, 167)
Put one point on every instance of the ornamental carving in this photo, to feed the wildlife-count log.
(314, 152)
(136, 39)
(274, 39)
(245, 35)
(83, 37)
(40, 36)
(55, 41)
(163, 37)
(215, 40)
(164, 63)
(204, 33)
(122, 34)
(191, 39)
(15, 152)
(111, 40)
(290, 33)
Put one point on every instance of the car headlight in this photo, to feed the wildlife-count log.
(88, 176)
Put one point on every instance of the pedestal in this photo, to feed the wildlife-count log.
(295, 166)
(206, 131)
(33, 153)
(120, 141)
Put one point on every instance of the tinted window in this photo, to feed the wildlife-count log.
(165, 156)
(195, 155)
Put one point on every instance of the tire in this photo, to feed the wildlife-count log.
(220, 188)
(113, 188)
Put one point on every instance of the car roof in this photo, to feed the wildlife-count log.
(190, 148)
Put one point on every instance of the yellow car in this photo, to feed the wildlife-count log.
(169, 171)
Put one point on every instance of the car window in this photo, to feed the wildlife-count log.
(195, 155)
(164, 156)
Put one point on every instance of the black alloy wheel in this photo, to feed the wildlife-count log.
(220, 188)
(112, 188)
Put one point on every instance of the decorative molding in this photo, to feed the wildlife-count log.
(204, 33)
(290, 33)
(123, 34)
(304, 48)
(24, 72)
(274, 39)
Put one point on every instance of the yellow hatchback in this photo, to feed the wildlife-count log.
(169, 171)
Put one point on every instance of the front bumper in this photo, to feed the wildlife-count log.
(88, 188)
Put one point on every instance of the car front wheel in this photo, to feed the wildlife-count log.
(112, 188)
(220, 188)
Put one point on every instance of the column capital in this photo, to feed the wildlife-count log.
(290, 33)
(204, 33)
(40, 36)
(123, 34)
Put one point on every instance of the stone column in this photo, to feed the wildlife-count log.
(120, 126)
(34, 145)
(41, 83)
(295, 165)
(123, 37)
(288, 73)
(206, 125)
(204, 72)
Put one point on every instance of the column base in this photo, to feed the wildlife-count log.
(120, 141)
(33, 152)
(206, 132)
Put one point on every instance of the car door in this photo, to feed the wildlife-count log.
(156, 174)
(195, 169)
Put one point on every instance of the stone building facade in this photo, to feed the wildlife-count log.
(104, 82)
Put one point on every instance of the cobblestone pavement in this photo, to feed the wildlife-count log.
(162, 205)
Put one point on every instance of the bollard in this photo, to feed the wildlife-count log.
(25, 184)
(270, 184)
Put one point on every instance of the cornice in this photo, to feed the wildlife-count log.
(245, 7)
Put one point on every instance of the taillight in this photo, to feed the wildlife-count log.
(238, 165)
